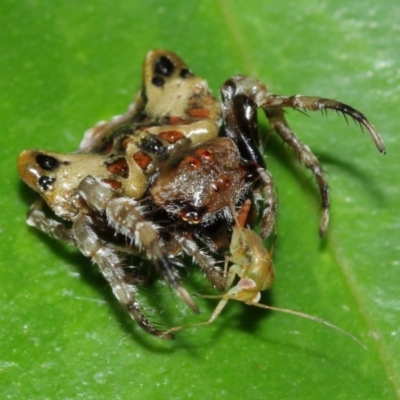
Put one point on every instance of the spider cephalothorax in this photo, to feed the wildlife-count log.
(168, 178)
(203, 181)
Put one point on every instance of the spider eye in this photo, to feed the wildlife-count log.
(192, 215)
(251, 174)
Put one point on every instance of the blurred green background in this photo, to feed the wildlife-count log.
(66, 65)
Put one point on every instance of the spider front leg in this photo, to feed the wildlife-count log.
(272, 106)
(126, 216)
(257, 96)
(318, 103)
(111, 266)
(251, 94)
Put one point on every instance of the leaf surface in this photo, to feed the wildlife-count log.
(67, 65)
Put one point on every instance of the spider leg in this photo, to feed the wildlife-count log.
(319, 103)
(249, 94)
(257, 96)
(270, 203)
(38, 219)
(110, 264)
(98, 134)
(240, 98)
(239, 109)
(206, 262)
(126, 216)
(105, 257)
(278, 123)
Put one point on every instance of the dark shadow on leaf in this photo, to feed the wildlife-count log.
(287, 159)
(250, 317)
(372, 188)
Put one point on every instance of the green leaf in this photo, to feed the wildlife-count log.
(66, 65)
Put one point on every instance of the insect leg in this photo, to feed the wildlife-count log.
(213, 317)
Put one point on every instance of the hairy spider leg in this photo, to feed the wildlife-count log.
(110, 263)
(253, 94)
(126, 216)
(278, 123)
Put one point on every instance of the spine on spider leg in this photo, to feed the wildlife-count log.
(205, 261)
(319, 103)
(107, 259)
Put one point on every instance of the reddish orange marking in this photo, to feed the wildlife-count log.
(199, 112)
(114, 184)
(205, 154)
(243, 213)
(193, 162)
(119, 167)
(107, 147)
(173, 120)
(142, 159)
(171, 136)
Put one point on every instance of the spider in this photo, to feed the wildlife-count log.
(167, 178)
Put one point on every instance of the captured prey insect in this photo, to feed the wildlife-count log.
(252, 263)
(165, 180)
